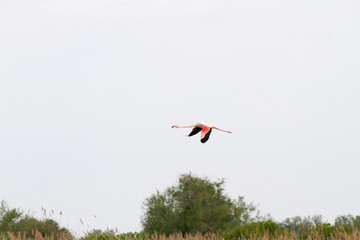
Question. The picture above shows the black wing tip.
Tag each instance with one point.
(206, 137)
(194, 131)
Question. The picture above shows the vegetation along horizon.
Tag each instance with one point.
(194, 208)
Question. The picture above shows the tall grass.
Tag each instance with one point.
(313, 235)
(284, 235)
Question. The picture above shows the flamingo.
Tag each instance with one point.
(203, 127)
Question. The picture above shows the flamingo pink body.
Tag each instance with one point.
(203, 127)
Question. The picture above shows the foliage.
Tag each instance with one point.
(110, 235)
(328, 231)
(46, 227)
(245, 213)
(8, 217)
(211, 236)
(195, 205)
(299, 224)
(356, 222)
(348, 220)
(13, 221)
(254, 230)
(99, 236)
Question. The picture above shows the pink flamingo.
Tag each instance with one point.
(203, 127)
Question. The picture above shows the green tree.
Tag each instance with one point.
(301, 224)
(8, 217)
(195, 205)
(348, 220)
(13, 221)
(356, 222)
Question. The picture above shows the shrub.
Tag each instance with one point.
(255, 230)
(110, 235)
(13, 222)
(328, 231)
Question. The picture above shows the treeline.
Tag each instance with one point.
(264, 230)
(296, 228)
(193, 208)
(199, 207)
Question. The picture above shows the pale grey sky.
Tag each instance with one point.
(89, 91)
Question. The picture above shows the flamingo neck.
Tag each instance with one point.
(177, 126)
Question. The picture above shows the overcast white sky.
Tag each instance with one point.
(89, 90)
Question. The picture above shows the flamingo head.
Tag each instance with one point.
(174, 126)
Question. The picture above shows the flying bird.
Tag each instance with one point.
(203, 127)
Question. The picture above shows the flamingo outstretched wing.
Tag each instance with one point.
(194, 131)
(205, 133)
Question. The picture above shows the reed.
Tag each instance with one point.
(36, 235)
(313, 235)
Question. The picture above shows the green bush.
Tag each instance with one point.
(110, 235)
(13, 221)
(8, 217)
(99, 236)
(47, 227)
(328, 231)
(255, 229)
